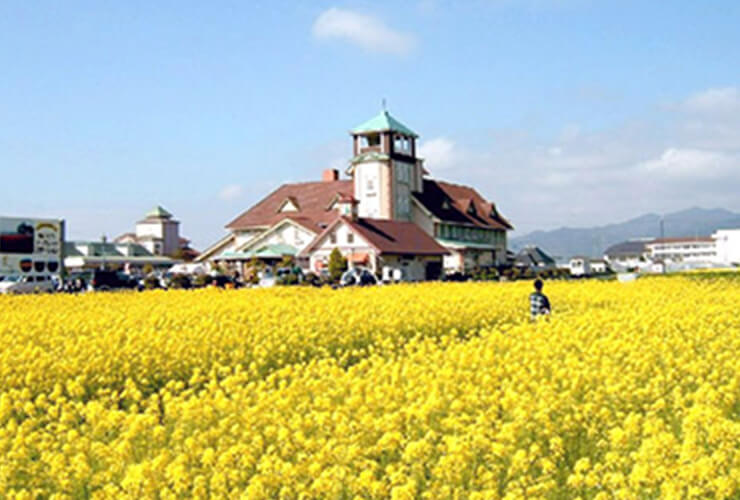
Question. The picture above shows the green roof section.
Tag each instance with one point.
(158, 213)
(275, 251)
(383, 123)
(371, 156)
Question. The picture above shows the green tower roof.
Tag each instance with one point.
(383, 122)
(158, 213)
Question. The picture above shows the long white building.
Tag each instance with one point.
(686, 250)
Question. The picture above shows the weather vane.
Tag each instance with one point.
(383, 104)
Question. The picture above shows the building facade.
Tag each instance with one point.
(159, 233)
(386, 214)
(727, 246)
(687, 250)
(129, 257)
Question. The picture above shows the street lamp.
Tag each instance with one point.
(103, 240)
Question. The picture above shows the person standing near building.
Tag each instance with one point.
(539, 304)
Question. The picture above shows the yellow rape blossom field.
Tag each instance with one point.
(431, 391)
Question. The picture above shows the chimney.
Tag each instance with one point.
(330, 175)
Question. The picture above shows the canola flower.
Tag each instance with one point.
(425, 391)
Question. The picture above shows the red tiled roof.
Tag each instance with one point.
(396, 237)
(387, 237)
(312, 198)
(459, 198)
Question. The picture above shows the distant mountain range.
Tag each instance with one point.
(592, 241)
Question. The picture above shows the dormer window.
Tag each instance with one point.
(471, 208)
(289, 205)
(445, 205)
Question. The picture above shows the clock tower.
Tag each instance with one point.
(385, 168)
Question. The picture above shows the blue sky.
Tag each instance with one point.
(562, 112)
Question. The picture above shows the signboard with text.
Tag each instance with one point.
(31, 246)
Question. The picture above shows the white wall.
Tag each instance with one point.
(241, 237)
(324, 248)
(598, 267)
(453, 262)
(288, 234)
(149, 229)
(579, 267)
(367, 188)
(728, 246)
(414, 269)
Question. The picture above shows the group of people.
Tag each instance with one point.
(74, 285)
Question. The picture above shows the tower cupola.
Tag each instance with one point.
(385, 135)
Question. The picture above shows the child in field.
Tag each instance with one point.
(538, 301)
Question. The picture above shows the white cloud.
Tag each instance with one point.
(363, 30)
(439, 153)
(230, 192)
(714, 101)
(695, 163)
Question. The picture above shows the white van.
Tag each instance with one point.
(26, 284)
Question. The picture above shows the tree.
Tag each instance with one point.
(337, 265)
(288, 261)
(182, 254)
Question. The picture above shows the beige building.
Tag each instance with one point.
(159, 234)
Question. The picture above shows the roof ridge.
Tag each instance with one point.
(312, 182)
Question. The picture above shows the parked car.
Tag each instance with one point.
(26, 284)
(175, 280)
(267, 278)
(358, 276)
(289, 276)
(223, 281)
(111, 280)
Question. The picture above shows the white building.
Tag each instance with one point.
(727, 243)
(579, 266)
(598, 266)
(387, 213)
(699, 250)
(628, 255)
(159, 234)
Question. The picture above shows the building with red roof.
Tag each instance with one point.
(387, 214)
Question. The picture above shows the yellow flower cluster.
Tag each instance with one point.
(421, 391)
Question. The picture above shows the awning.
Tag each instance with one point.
(460, 244)
(358, 258)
